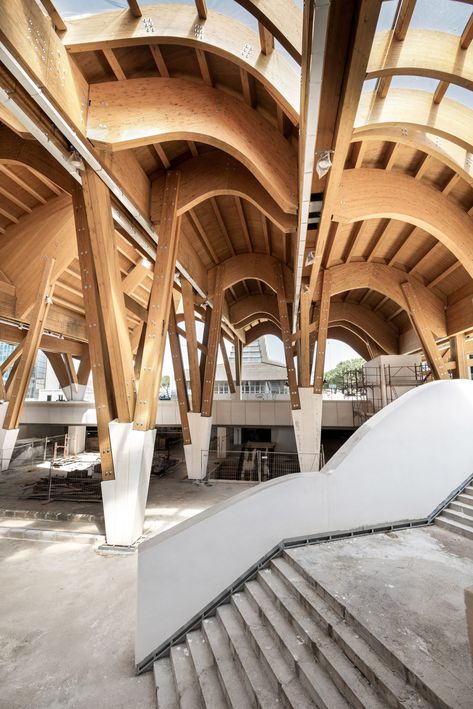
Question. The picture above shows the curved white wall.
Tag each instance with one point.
(398, 466)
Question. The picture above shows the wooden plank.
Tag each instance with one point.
(404, 16)
(11, 359)
(205, 342)
(286, 336)
(243, 224)
(305, 361)
(179, 375)
(112, 306)
(421, 325)
(467, 34)
(266, 40)
(159, 60)
(58, 22)
(212, 347)
(322, 333)
(460, 356)
(114, 64)
(226, 364)
(204, 67)
(134, 8)
(248, 88)
(30, 346)
(98, 352)
(191, 339)
(71, 370)
(440, 91)
(83, 373)
(201, 7)
(159, 309)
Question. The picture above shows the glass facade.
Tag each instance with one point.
(38, 375)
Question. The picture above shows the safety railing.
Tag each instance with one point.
(251, 465)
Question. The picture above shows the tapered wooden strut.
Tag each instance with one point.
(238, 351)
(159, 309)
(212, 347)
(322, 334)
(98, 354)
(179, 374)
(205, 342)
(226, 364)
(30, 346)
(304, 351)
(191, 338)
(111, 302)
(460, 356)
(286, 338)
(421, 325)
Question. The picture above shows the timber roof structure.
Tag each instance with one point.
(241, 101)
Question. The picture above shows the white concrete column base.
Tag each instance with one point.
(197, 452)
(74, 392)
(76, 439)
(308, 429)
(124, 499)
(8, 438)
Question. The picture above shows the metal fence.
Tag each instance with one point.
(252, 465)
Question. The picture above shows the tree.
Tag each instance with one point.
(165, 384)
(336, 375)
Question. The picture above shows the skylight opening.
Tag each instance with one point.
(460, 94)
(421, 83)
(442, 15)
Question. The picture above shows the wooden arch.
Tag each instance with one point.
(422, 53)
(244, 308)
(387, 281)
(258, 267)
(215, 174)
(189, 111)
(175, 24)
(412, 108)
(355, 341)
(260, 330)
(384, 334)
(369, 193)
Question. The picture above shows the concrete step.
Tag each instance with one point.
(457, 516)
(166, 693)
(468, 490)
(461, 506)
(290, 664)
(351, 684)
(466, 499)
(205, 670)
(187, 685)
(385, 673)
(454, 526)
(231, 682)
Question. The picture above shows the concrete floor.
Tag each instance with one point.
(68, 614)
(407, 589)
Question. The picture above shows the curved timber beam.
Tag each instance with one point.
(241, 309)
(258, 267)
(126, 114)
(214, 174)
(446, 152)
(356, 342)
(411, 108)
(387, 281)
(384, 334)
(261, 330)
(422, 53)
(176, 24)
(254, 317)
(283, 19)
(369, 193)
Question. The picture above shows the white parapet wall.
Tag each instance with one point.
(399, 466)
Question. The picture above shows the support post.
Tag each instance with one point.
(226, 364)
(322, 334)
(304, 345)
(179, 375)
(286, 335)
(212, 347)
(191, 338)
(459, 355)
(421, 325)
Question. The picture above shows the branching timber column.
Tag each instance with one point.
(179, 375)
(158, 310)
(192, 349)
(100, 367)
(306, 302)
(10, 412)
(212, 347)
(421, 325)
(460, 356)
(286, 337)
(238, 361)
(105, 260)
(205, 342)
(226, 364)
(322, 334)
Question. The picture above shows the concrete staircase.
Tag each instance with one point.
(457, 517)
(284, 641)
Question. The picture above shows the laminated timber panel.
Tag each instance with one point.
(240, 310)
(387, 281)
(124, 114)
(368, 193)
(439, 57)
(7, 300)
(215, 174)
(30, 36)
(262, 329)
(411, 108)
(258, 267)
(47, 231)
(283, 19)
(176, 25)
(12, 335)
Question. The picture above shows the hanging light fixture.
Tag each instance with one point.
(324, 163)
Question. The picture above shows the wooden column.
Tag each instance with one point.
(30, 346)
(101, 237)
(286, 334)
(421, 325)
(83, 373)
(98, 352)
(179, 374)
(304, 344)
(56, 361)
(322, 334)
(159, 308)
(226, 364)
(460, 356)
(212, 347)
(205, 342)
(238, 360)
(3, 393)
(192, 348)
(12, 358)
